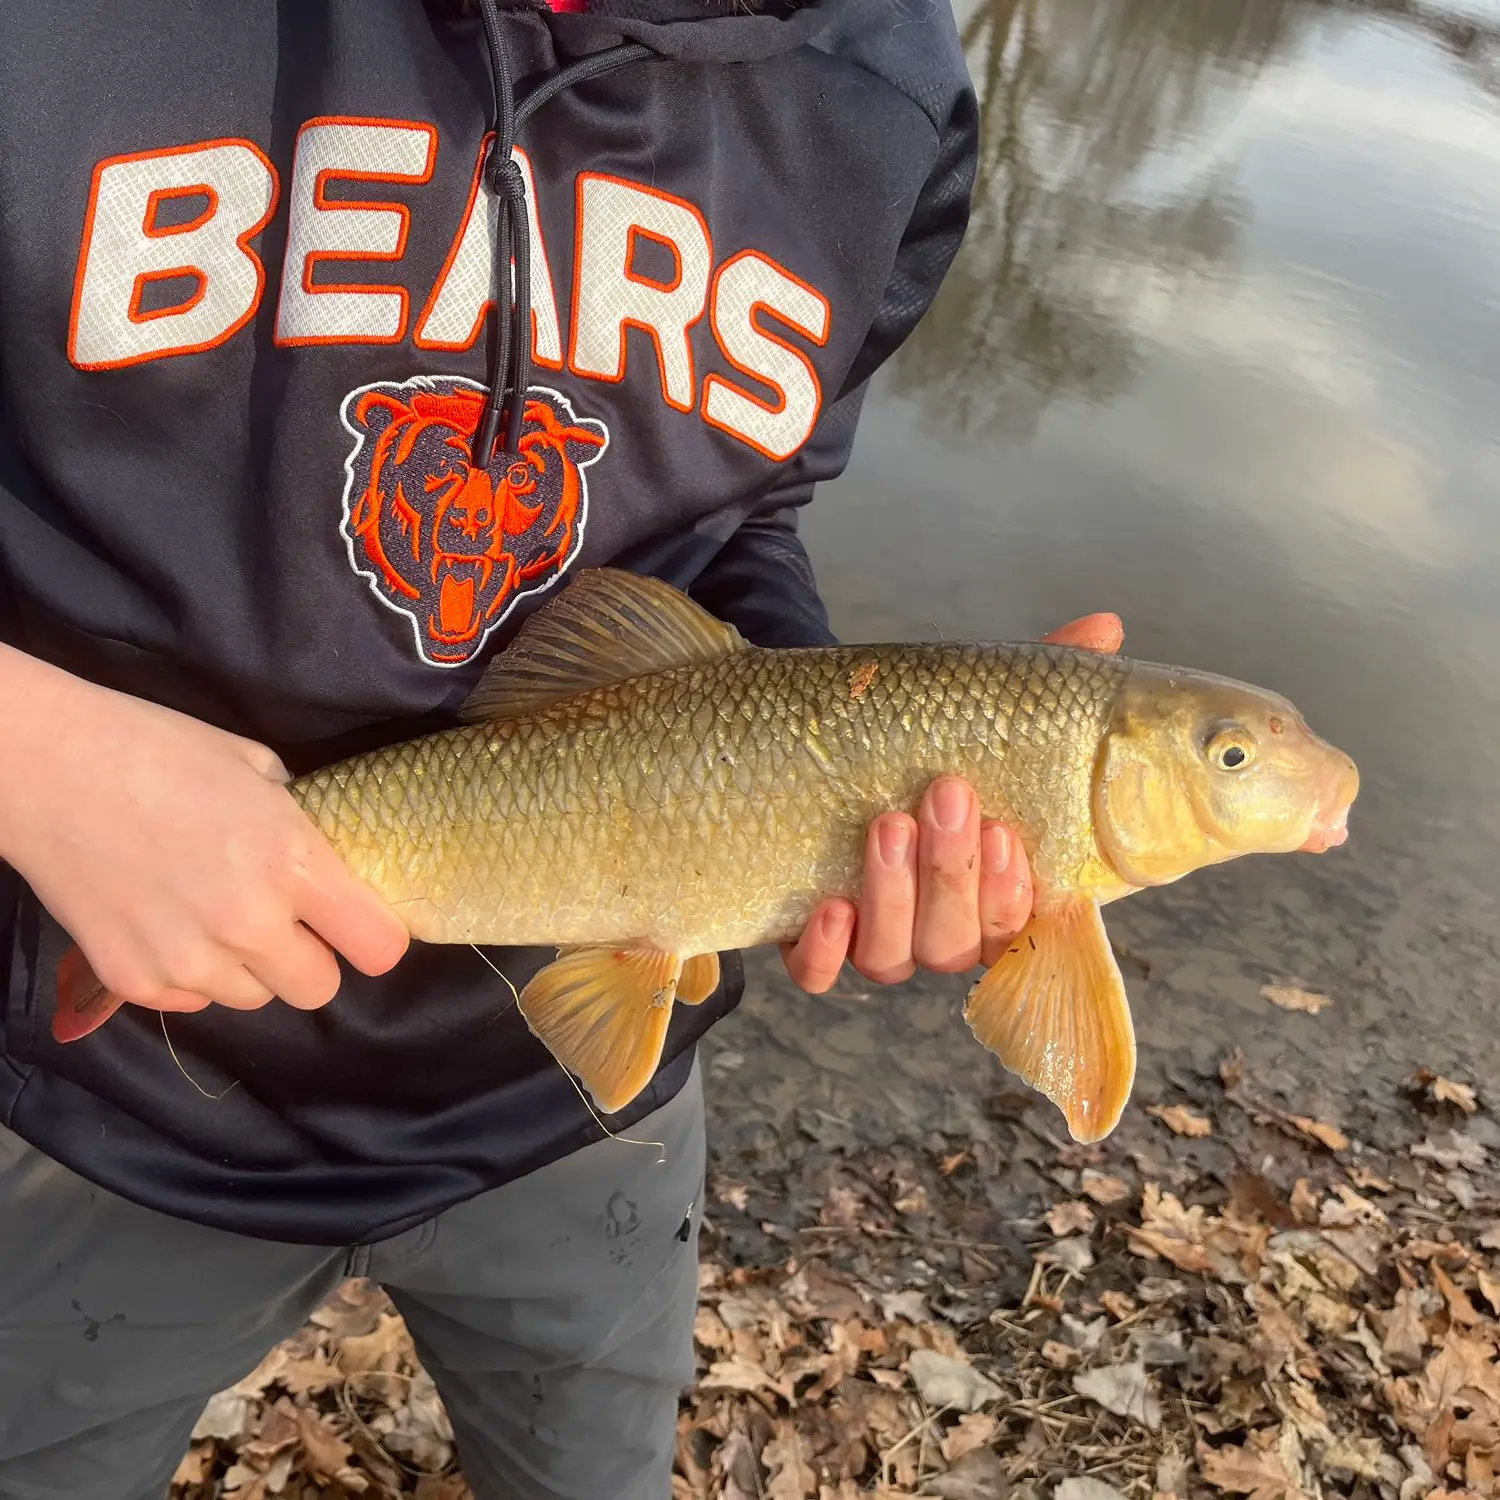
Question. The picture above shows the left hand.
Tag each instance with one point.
(943, 891)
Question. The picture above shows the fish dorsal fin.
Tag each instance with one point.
(607, 626)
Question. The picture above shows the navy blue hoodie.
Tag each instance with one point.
(252, 339)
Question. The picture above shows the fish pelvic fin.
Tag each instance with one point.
(603, 1014)
(83, 1003)
(607, 626)
(1054, 1010)
(700, 978)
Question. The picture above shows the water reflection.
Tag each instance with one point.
(1083, 106)
(1222, 352)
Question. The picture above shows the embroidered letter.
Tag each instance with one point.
(335, 149)
(612, 292)
(166, 265)
(750, 286)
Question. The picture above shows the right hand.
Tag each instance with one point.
(172, 853)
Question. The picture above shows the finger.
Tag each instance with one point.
(1004, 890)
(815, 959)
(887, 901)
(1103, 632)
(946, 935)
(348, 915)
(181, 1001)
(302, 970)
(231, 985)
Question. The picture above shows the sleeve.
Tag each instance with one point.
(761, 579)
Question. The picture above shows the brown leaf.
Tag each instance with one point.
(1321, 1131)
(786, 1457)
(951, 1164)
(974, 1430)
(1445, 1091)
(1117, 1304)
(1372, 1182)
(1103, 1189)
(1184, 1255)
(1489, 1288)
(382, 1349)
(1181, 1120)
(1247, 1470)
(1070, 1218)
(1291, 997)
(740, 1375)
(197, 1464)
(1405, 1332)
(326, 1451)
(1059, 1355)
(1460, 1309)
(1304, 1201)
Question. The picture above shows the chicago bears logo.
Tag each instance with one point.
(449, 543)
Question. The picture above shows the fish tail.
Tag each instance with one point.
(83, 1003)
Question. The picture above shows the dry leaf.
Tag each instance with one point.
(1445, 1091)
(1103, 1189)
(1405, 1332)
(1124, 1390)
(1085, 1487)
(1117, 1304)
(786, 1457)
(974, 1430)
(1291, 997)
(1060, 1355)
(1247, 1470)
(1181, 1120)
(1071, 1218)
(326, 1451)
(947, 1381)
(197, 1463)
(1321, 1131)
(740, 1375)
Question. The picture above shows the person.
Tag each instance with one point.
(286, 454)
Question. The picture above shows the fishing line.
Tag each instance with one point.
(515, 995)
(162, 1016)
(624, 1140)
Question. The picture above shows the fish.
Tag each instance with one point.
(634, 784)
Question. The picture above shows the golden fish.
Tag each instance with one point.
(636, 785)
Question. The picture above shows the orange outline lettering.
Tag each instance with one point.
(314, 258)
(243, 242)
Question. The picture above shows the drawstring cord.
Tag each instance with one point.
(510, 349)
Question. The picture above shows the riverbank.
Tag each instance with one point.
(1243, 1291)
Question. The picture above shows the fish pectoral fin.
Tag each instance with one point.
(83, 1004)
(607, 626)
(700, 978)
(1054, 1010)
(603, 1014)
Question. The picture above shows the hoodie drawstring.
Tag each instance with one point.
(510, 351)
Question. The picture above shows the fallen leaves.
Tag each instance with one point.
(1181, 1120)
(1250, 1317)
(1293, 997)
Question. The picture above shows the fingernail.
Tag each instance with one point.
(892, 840)
(835, 922)
(995, 849)
(950, 805)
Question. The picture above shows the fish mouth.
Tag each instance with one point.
(1331, 826)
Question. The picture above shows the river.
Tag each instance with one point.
(1221, 353)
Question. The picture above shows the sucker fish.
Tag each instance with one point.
(636, 785)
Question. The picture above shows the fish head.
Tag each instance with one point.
(1196, 769)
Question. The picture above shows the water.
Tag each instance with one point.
(1221, 353)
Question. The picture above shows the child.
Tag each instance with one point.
(283, 461)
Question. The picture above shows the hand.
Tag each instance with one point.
(943, 891)
(173, 854)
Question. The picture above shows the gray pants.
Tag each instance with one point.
(554, 1314)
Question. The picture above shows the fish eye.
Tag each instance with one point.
(1230, 748)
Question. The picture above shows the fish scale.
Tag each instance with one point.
(711, 806)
